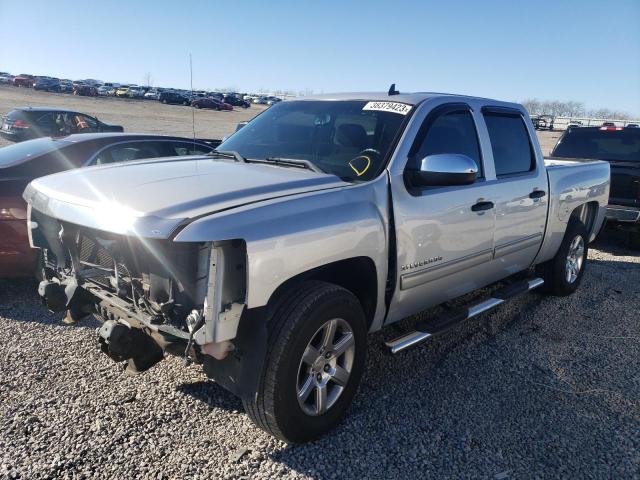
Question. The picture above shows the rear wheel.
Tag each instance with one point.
(315, 359)
(634, 240)
(563, 273)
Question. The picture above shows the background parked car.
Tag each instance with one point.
(152, 94)
(124, 92)
(23, 80)
(47, 84)
(85, 90)
(235, 101)
(137, 92)
(66, 86)
(6, 79)
(33, 122)
(174, 98)
(23, 162)
(211, 103)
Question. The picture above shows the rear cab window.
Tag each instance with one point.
(595, 143)
(510, 142)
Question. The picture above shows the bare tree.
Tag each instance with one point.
(148, 80)
(572, 108)
(575, 109)
(533, 106)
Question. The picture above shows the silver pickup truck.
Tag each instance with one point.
(323, 219)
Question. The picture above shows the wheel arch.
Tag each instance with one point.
(587, 214)
(356, 274)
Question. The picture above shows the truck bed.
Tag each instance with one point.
(572, 182)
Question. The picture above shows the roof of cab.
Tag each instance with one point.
(409, 98)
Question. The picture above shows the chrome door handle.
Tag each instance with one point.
(481, 206)
(537, 194)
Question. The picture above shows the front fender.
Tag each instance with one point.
(289, 236)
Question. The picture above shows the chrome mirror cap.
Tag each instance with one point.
(444, 169)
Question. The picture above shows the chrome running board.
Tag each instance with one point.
(426, 330)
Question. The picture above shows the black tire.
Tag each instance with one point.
(185, 104)
(554, 272)
(297, 319)
(634, 240)
(164, 101)
(197, 106)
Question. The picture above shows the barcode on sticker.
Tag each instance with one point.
(395, 107)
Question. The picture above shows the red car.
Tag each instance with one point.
(23, 81)
(211, 103)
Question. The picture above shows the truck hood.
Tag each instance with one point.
(152, 198)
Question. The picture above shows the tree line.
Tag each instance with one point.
(558, 108)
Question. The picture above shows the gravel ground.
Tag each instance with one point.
(540, 388)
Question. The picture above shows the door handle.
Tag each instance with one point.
(481, 206)
(537, 194)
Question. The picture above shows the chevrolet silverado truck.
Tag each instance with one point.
(620, 146)
(269, 260)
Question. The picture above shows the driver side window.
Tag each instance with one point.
(452, 131)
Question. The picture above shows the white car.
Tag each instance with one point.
(137, 93)
(152, 95)
(105, 91)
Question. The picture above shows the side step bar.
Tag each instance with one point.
(425, 330)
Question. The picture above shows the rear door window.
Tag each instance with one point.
(510, 143)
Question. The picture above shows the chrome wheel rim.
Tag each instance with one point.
(575, 258)
(325, 367)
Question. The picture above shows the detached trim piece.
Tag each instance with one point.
(442, 325)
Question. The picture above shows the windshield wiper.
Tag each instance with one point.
(295, 162)
(228, 154)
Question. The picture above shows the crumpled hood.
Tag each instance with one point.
(151, 198)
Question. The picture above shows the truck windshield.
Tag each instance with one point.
(350, 139)
(600, 144)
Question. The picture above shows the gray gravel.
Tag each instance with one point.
(542, 388)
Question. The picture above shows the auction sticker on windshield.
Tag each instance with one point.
(401, 108)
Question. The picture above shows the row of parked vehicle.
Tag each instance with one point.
(95, 88)
(547, 122)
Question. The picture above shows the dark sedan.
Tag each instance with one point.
(33, 122)
(235, 101)
(211, 103)
(47, 84)
(23, 162)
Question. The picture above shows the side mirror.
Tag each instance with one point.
(443, 169)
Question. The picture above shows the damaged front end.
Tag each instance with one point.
(152, 295)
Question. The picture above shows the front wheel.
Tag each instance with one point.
(314, 363)
(563, 273)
